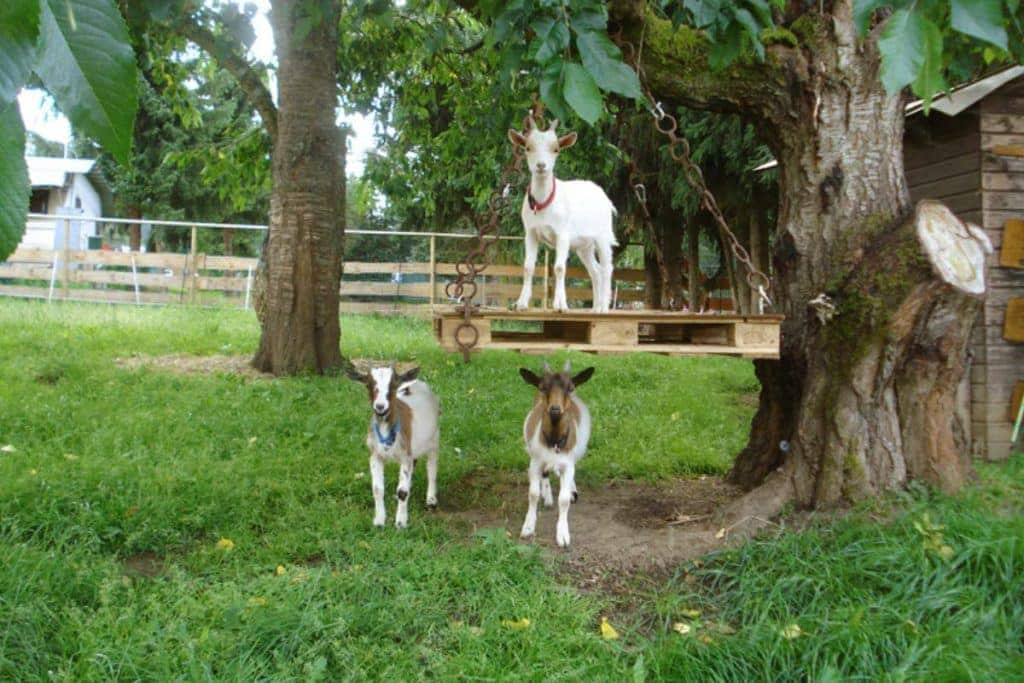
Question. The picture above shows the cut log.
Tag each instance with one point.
(955, 249)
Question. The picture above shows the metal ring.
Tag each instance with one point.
(458, 335)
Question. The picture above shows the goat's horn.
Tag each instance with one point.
(547, 368)
(528, 124)
(565, 368)
(554, 124)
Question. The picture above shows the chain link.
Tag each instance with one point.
(679, 149)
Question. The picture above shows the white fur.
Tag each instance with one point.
(425, 435)
(579, 218)
(543, 458)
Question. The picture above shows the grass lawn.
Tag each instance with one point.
(165, 527)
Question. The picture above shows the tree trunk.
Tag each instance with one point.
(672, 248)
(652, 280)
(303, 254)
(862, 401)
(693, 266)
(229, 241)
(134, 229)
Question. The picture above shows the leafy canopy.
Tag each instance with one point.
(80, 51)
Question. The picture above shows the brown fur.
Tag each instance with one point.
(554, 389)
(398, 408)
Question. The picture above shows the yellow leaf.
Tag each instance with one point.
(225, 544)
(705, 638)
(257, 601)
(792, 631)
(364, 545)
(280, 571)
(360, 475)
(674, 417)
(691, 613)
(33, 471)
(252, 440)
(357, 568)
(608, 631)
(70, 457)
(946, 552)
(681, 628)
(519, 625)
(721, 533)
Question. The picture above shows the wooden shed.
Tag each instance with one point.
(969, 153)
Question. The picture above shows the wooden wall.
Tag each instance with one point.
(947, 158)
(1002, 182)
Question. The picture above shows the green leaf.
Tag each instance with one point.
(930, 81)
(19, 29)
(863, 10)
(581, 92)
(604, 62)
(14, 187)
(902, 48)
(591, 20)
(705, 12)
(552, 42)
(981, 19)
(86, 62)
(551, 89)
(726, 49)
(747, 20)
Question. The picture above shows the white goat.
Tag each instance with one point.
(404, 427)
(556, 432)
(564, 214)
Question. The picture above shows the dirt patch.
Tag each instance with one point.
(146, 564)
(186, 364)
(622, 526)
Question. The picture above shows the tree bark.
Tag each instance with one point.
(134, 229)
(303, 253)
(861, 402)
(693, 267)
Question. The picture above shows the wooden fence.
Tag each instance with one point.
(195, 278)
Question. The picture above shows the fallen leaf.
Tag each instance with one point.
(364, 545)
(608, 631)
(674, 417)
(8, 449)
(681, 628)
(33, 472)
(225, 544)
(691, 613)
(721, 533)
(280, 571)
(360, 475)
(476, 630)
(252, 440)
(946, 552)
(792, 631)
(257, 601)
(70, 457)
(519, 625)
(705, 638)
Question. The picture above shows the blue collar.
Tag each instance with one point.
(388, 440)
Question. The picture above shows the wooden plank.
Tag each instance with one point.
(966, 163)
(753, 334)
(1013, 326)
(26, 272)
(1002, 123)
(962, 203)
(962, 138)
(946, 187)
(1011, 252)
(1012, 149)
(1004, 164)
(1002, 103)
(619, 333)
(539, 347)
(31, 255)
(1003, 201)
(448, 333)
(1015, 400)
(230, 263)
(1002, 182)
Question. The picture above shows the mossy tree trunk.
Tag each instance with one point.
(302, 260)
(864, 401)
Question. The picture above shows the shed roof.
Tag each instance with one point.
(53, 171)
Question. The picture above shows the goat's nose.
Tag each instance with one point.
(555, 412)
(380, 407)
(541, 166)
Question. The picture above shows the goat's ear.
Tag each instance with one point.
(353, 374)
(409, 375)
(566, 141)
(516, 138)
(529, 377)
(582, 376)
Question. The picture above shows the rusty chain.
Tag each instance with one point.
(463, 288)
(679, 149)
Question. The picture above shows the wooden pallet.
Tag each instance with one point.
(664, 332)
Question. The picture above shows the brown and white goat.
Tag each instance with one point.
(404, 427)
(556, 432)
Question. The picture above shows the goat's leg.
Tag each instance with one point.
(586, 255)
(545, 489)
(567, 486)
(561, 256)
(404, 486)
(530, 523)
(607, 268)
(377, 479)
(529, 263)
(432, 479)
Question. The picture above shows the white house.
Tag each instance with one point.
(63, 187)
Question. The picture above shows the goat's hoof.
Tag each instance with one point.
(431, 503)
(402, 494)
(378, 525)
(563, 542)
(526, 534)
(401, 523)
(575, 496)
(549, 502)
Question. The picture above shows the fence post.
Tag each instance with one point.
(135, 281)
(433, 268)
(192, 282)
(53, 276)
(66, 278)
(544, 301)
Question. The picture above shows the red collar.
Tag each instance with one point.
(540, 206)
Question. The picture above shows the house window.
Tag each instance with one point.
(78, 202)
(39, 202)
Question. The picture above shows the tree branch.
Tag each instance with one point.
(231, 60)
(675, 63)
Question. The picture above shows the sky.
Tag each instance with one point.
(38, 113)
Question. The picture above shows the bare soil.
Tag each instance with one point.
(624, 526)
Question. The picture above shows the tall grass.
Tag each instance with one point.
(122, 482)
